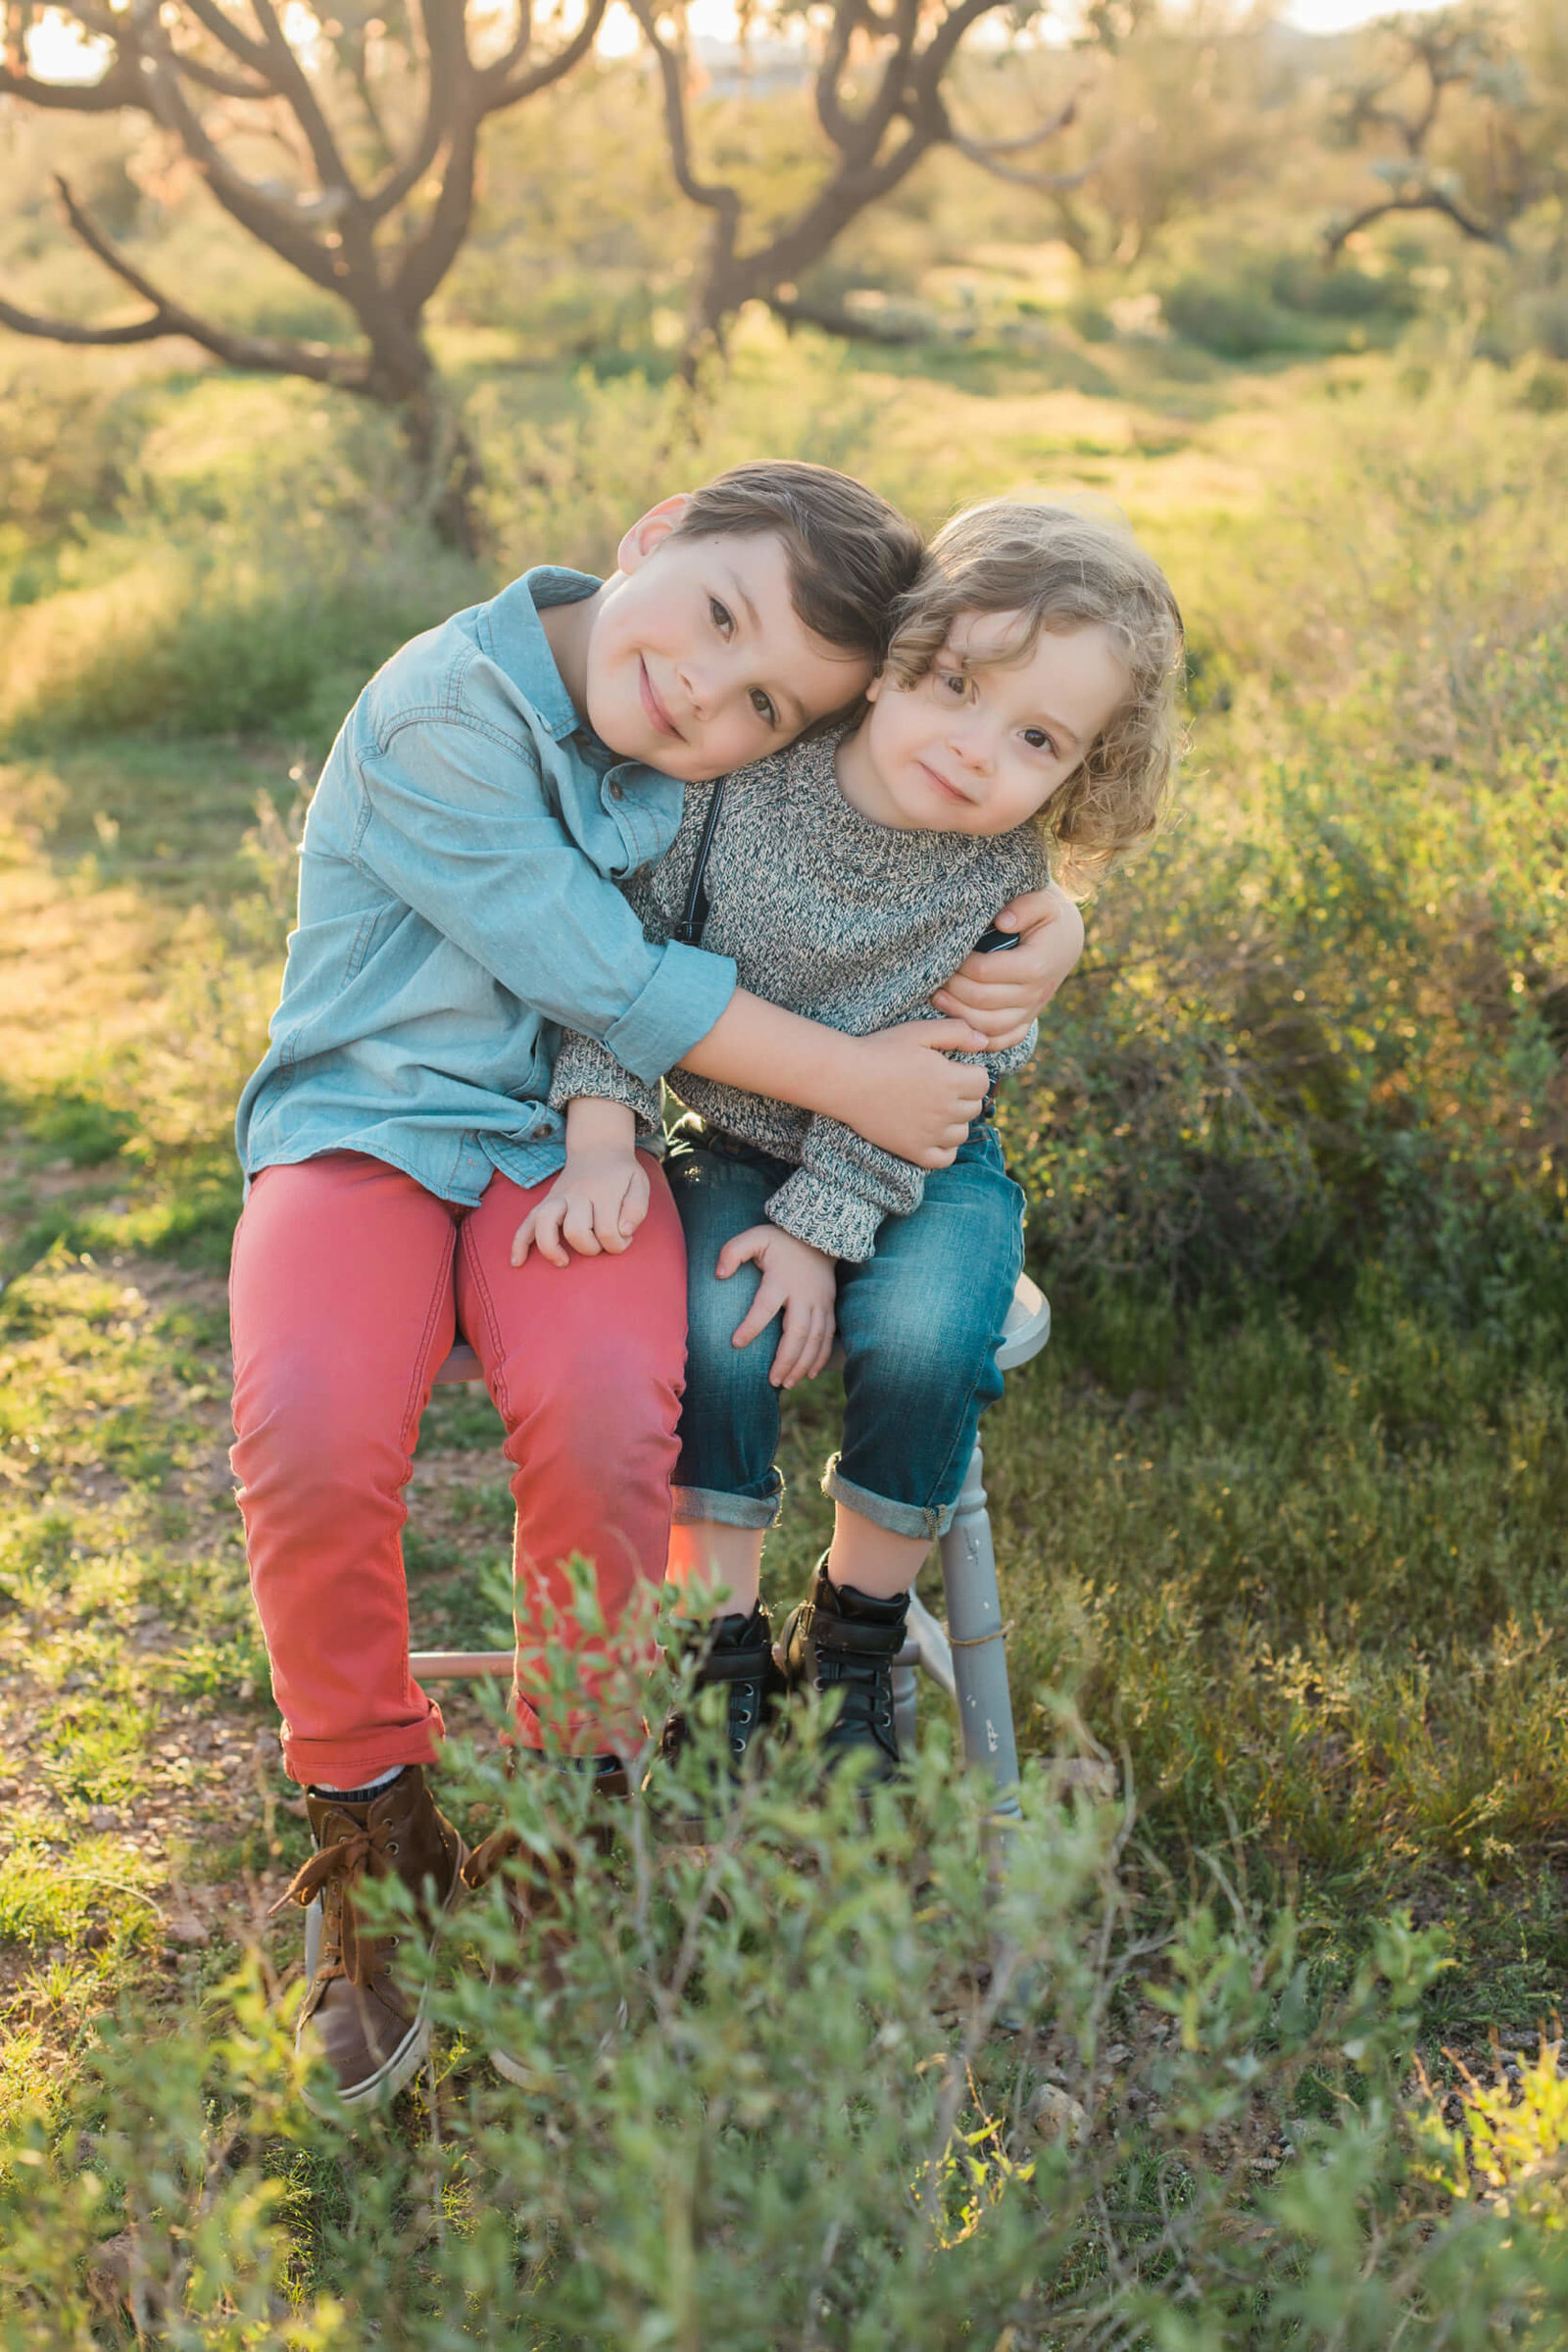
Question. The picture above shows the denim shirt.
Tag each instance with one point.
(457, 910)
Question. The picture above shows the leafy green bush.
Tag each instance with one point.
(1253, 306)
(834, 2077)
(1323, 1021)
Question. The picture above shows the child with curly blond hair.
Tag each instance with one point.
(1025, 708)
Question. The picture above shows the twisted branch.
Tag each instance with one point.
(167, 317)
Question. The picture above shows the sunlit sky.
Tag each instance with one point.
(58, 52)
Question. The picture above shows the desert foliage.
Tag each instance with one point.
(1261, 2052)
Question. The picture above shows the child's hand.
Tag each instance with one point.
(595, 1205)
(1003, 993)
(801, 1280)
(909, 1097)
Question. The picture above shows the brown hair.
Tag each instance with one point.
(1059, 568)
(851, 555)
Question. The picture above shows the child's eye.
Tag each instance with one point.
(764, 707)
(954, 681)
(1039, 741)
(721, 614)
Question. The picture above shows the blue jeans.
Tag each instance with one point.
(919, 1325)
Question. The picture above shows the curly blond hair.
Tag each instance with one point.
(1061, 569)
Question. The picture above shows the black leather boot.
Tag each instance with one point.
(846, 1640)
(739, 1656)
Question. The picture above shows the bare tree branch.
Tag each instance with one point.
(1450, 54)
(1046, 183)
(220, 84)
(271, 354)
(983, 149)
(230, 35)
(1424, 200)
(716, 195)
(65, 330)
(851, 325)
(877, 142)
(271, 215)
(431, 255)
(293, 86)
(359, 76)
(553, 69)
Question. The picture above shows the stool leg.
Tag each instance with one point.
(974, 1628)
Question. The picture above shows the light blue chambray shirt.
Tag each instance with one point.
(457, 910)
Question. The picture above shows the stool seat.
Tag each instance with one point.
(1027, 1327)
(966, 1659)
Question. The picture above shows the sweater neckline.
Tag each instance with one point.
(815, 764)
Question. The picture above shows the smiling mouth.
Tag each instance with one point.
(655, 708)
(948, 792)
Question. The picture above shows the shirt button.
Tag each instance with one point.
(539, 1134)
(617, 791)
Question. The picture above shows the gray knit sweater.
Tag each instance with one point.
(830, 915)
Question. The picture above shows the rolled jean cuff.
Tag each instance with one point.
(694, 1503)
(895, 1518)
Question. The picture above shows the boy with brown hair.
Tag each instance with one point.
(458, 910)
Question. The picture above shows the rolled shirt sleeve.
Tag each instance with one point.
(518, 894)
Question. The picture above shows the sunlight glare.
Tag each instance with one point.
(58, 49)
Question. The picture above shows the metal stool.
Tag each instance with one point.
(968, 1659)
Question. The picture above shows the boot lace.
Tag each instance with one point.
(330, 1874)
(865, 1711)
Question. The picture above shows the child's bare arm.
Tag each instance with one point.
(896, 1087)
(600, 1195)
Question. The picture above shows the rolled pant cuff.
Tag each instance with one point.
(350, 1763)
(895, 1518)
(694, 1503)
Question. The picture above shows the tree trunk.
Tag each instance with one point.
(448, 466)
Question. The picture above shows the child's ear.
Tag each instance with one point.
(650, 530)
(876, 685)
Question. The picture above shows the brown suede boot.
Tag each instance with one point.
(535, 1885)
(371, 2030)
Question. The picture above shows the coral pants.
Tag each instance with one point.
(349, 1284)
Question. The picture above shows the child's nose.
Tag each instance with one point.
(693, 685)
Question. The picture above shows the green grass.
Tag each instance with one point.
(1279, 1511)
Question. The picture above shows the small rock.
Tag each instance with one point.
(1098, 1782)
(102, 1817)
(57, 1954)
(187, 1929)
(1117, 2054)
(97, 1937)
(109, 2268)
(1054, 2113)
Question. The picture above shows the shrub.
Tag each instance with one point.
(770, 2102)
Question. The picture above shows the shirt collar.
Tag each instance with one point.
(518, 642)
